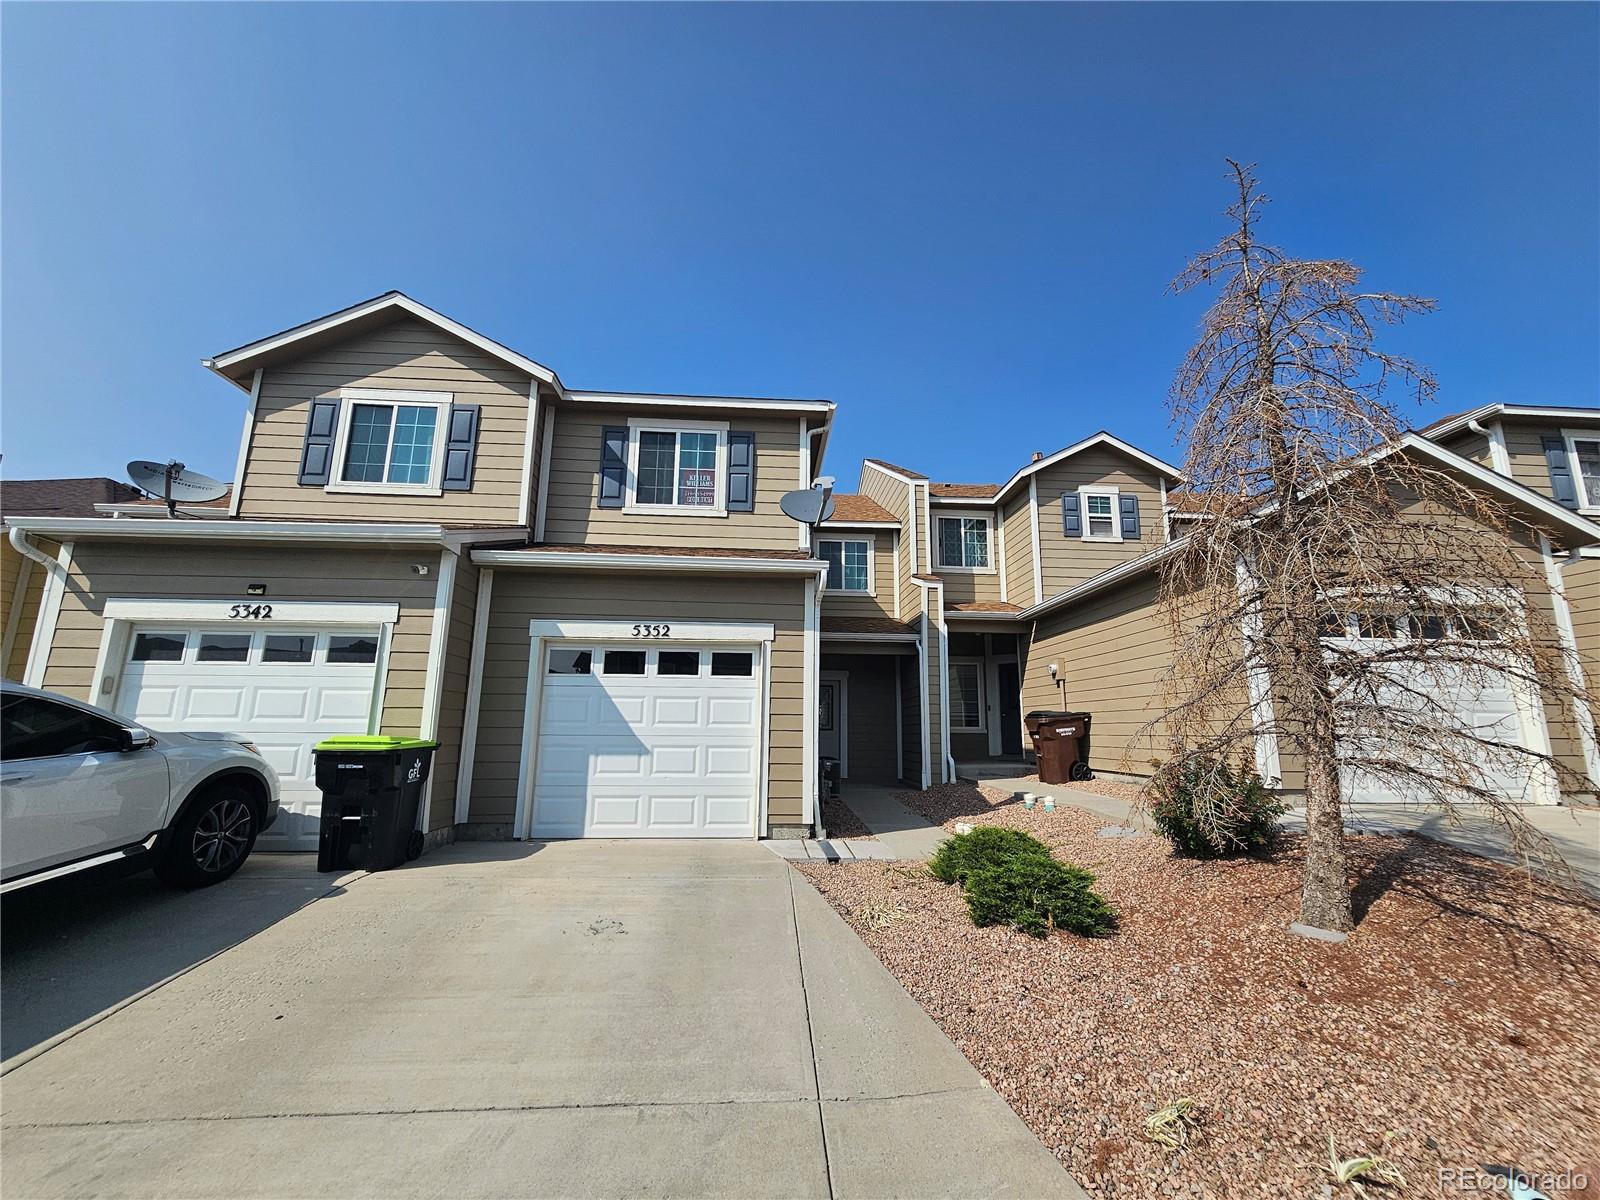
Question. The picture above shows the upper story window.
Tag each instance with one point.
(677, 465)
(963, 542)
(1583, 452)
(1100, 514)
(849, 564)
(389, 441)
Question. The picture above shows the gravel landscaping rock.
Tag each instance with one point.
(1460, 1016)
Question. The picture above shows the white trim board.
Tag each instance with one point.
(1102, 438)
(297, 612)
(652, 400)
(244, 443)
(613, 630)
(581, 560)
(44, 627)
(433, 678)
(396, 300)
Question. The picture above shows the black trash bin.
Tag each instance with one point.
(370, 787)
(830, 777)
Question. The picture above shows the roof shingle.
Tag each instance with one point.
(62, 497)
(852, 507)
(965, 491)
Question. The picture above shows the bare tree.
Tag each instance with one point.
(1341, 590)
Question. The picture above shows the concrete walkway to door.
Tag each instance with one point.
(572, 1019)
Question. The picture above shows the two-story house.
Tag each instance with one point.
(593, 600)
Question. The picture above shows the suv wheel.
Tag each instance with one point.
(211, 840)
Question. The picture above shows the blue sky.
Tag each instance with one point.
(957, 222)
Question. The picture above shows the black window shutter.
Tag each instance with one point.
(1071, 515)
(1561, 481)
(316, 458)
(741, 472)
(1130, 516)
(613, 467)
(460, 448)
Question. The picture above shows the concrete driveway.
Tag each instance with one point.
(564, 1019)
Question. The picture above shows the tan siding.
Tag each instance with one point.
(1525, 448)
(1114, 653)
(572, 514)
(1469, 445)
(881, 603)
(895, 495)
(1019, 551)
(11, 564)
(101, 570)
(453, 695)
(1066, 561)
(1582, 585)
(871, 704)
(520, 596)
(407, 355)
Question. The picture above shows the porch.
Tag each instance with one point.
(984, 685)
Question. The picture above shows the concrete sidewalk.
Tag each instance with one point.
(571, 1018)
(907, 834)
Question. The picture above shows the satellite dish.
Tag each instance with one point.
(808, 505)
(174, 483)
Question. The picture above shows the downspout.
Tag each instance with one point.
(944, 694)
(19, 540)
(1499, 459)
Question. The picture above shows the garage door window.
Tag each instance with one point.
(288, 648)
(678, 662)
(568, 661)
(159, 647)
(624, 662)
(346, 649)
(732, 662)
(224, 648)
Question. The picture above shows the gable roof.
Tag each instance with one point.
(1103, 438)
(1587, 531)
(237, 366)
(1455, 422)
(75, 497)
(903, 472)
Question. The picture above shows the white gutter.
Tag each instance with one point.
(653, 400)
(164, 528)
(534, 560)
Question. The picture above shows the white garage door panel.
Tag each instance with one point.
(649, 755)
(284, 709)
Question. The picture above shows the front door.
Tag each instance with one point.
(1008, 684)
(830, 719)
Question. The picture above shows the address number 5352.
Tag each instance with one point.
(652, 631)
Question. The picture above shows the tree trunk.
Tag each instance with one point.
(1325, 894)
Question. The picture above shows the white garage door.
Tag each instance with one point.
(648, 742)
(284, 689)
(1486, 708)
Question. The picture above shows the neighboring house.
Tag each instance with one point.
(21, 581)
(591, 600)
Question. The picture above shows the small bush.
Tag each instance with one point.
(1208, 809)
(1011, 878)
(986, 846)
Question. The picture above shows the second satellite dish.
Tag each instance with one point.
(808, 506)
(174, 483)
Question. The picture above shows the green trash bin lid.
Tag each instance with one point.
(372, 744)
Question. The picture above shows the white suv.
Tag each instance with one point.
(81, 788)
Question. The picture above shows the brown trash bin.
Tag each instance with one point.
(1061, 744)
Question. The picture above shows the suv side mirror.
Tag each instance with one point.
(129, 740)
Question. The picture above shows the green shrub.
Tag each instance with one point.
(986, 846)
(1037, 895)
(1011, 878)
(1208, 809)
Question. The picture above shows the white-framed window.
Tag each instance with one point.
(963, 541)
(1102, 520)
(389, 441)
(1583, 457)
(850, 564)
(677, 466)
(966, 695)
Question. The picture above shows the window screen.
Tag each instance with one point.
(966, 696)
